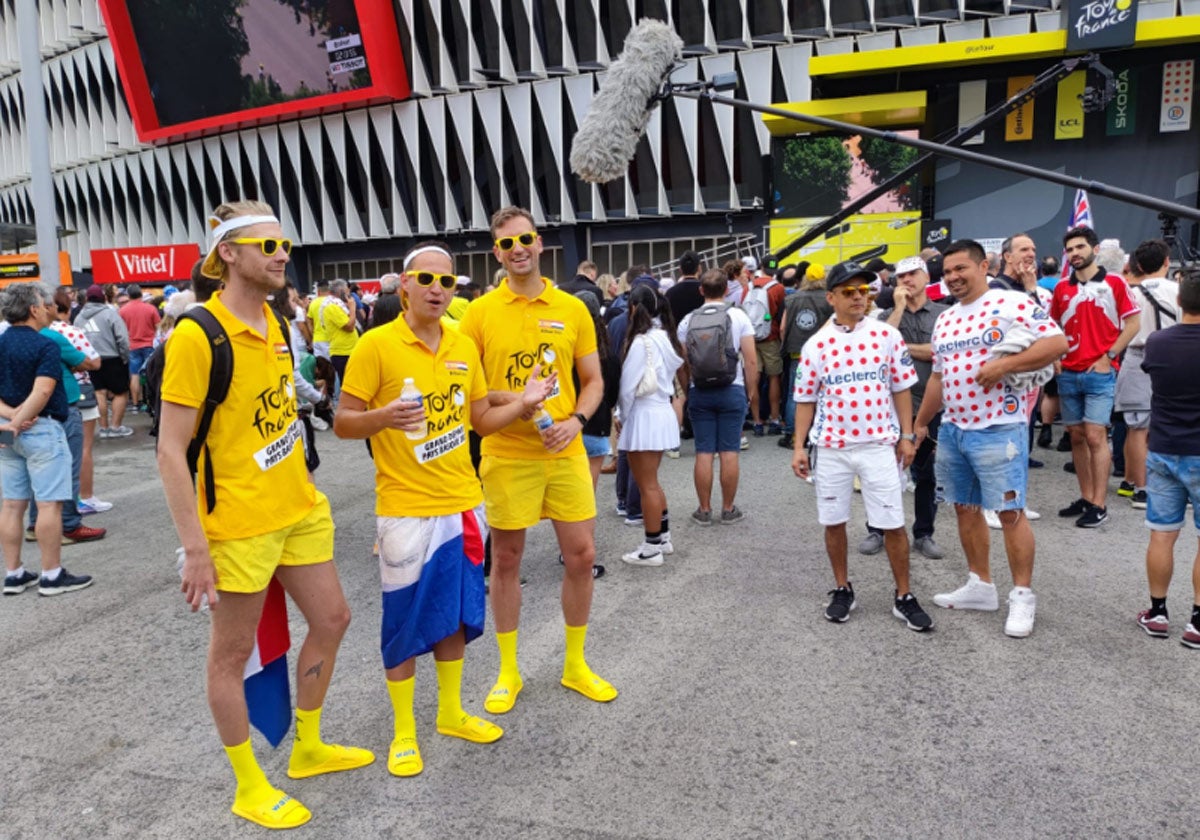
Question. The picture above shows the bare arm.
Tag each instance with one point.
(174, 434)
(354, 420)
(488, 417)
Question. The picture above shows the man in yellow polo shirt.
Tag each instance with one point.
(340, 319)
(320, 338)
(430, 520)
(529, 476)
(268, 519)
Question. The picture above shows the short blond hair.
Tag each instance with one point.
(507, 214)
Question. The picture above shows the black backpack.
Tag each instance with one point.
(712, 356)
(220, 377)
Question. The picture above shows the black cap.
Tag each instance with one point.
(878, 264)
(844, 272)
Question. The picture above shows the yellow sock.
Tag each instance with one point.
(256, 800)
(451, 719)
(508, 685)
(404, 757)
(313, 757)
(576, 673)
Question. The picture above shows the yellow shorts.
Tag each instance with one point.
(247, 565)
(519, 493)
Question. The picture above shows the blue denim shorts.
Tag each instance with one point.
(38, 464)
(597, 446)
(1086, 397)
(981, 466)
(717, 415)
(1171, 482)
(138, 358)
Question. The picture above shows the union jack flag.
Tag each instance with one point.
(1081, 215)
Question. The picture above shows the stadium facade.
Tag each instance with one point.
(496, 91)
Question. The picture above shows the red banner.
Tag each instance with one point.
(156, 264)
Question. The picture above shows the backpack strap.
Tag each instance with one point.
(1159, 309)
(220, 377)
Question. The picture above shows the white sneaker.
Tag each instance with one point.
(1022, 604)
(672, 453)
(1032, 515)
(646, 555)
(972, 595)
(993, 519)
(318, 424)
(665, 546)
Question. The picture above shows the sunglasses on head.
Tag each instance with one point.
(268, 246)
(525, 239)
(427, 278)
(851, 291)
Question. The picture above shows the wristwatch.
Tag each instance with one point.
(1112, 355)
(912, 438)
(583, 421)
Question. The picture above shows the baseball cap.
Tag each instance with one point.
(911, 264)
(844, 272)
(877, 265)
(95, 293)
(750, 263)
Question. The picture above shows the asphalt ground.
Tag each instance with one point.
(742, 713)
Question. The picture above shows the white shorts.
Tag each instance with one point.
(877, 471)
(87, 414)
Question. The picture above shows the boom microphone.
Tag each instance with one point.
(608, 136)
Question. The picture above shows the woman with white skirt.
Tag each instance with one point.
(648, 424)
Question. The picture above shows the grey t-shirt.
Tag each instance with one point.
(917, 328)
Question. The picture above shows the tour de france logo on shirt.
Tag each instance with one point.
(444, 429)
(521, 363)
(275, 421)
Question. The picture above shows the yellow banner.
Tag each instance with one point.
(862, 237)
(1068, 115)
(1018, 125)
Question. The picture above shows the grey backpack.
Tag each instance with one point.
(712, 356)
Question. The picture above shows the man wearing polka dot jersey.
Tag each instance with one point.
(983, 443)
(854, 377)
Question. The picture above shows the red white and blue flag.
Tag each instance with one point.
(431, 571)
(268, 690)
(1081, 216)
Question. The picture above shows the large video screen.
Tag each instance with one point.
(820, 174)
(192, 67)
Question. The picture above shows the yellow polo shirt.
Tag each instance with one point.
(318, 331)
(432, 476)
(341, 342)
(255, 439)
(513, 333)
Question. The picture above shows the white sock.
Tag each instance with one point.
(52, 575)
(17, 572)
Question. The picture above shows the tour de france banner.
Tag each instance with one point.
(1100, 24)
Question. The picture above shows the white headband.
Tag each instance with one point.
(221, 228)
(428, 249)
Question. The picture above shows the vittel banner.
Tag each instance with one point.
(1100, 24)
(155, 264)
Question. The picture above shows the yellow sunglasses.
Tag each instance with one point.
(268, 246)
(427, 278)
(508, 242)
(851, 291)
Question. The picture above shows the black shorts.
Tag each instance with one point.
(1050, 389)
(113, 376)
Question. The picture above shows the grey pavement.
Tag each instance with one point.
(742, 712)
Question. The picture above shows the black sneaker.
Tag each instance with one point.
(840, 604)
(1045, 438)
(65, 582)
(1126, 489)
(909, 611)
(1076, 508)
(1064, 443)
(15, 584)
(1093, 517)
(1138, 501)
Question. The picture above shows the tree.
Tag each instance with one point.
(884, 159)
(819, 171)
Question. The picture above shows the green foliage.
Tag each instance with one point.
(819, 171)
(883, 159)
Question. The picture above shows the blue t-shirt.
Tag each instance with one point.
(71, 357)
(1175, 390)
(24, 356)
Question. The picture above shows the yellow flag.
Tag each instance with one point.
(1068, 116)
(1018, 125)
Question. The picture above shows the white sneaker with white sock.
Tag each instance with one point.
(647, 554)
(972, 595)
(1022, 604)
(665, 545)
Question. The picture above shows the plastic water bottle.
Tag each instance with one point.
(411, 393)
(543, 421)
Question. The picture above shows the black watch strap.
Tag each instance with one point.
(583, 421)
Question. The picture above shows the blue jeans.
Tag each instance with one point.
(1086, 397)
(628, 494)
(789, 402)
(70, 511)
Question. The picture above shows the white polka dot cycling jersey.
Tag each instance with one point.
(851, 376)
(963, 338)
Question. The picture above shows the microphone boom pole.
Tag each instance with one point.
(1093, 187)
